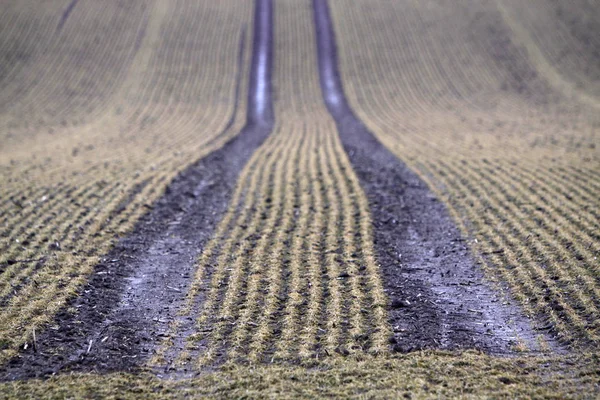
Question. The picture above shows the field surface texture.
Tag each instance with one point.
(300, 198)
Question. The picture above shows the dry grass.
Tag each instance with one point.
(87, 145)
(290, 272)
(471, 101)
(418, 375)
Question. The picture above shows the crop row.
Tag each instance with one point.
(290, 272)
(167, 94)
(452, 92)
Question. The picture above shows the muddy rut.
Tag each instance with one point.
(137, 289)
(438, 296)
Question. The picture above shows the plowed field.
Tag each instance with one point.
(299, 198)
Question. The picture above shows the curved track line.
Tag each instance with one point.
(65, 14)
(260, 103)
(438, 297)
(135, 293)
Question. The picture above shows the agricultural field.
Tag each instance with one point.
(508, 143)
(299, 199)
(79, 166)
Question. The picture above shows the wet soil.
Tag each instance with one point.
(438, 296)
(133, 294)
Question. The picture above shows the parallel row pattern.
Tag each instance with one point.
(562, 42)
(167, 93)
(513, 154)
(64, 78)
(290, 273)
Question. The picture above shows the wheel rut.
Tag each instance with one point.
(124, 310)
(438, 296)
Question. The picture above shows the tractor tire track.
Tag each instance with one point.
(438, 297)
(135, 292)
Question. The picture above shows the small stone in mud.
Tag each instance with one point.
(396, 303)
(403, 348)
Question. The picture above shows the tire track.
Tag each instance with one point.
(519, 131)
(65, 14)
(134, 293)
(286, 277)
(431, 280)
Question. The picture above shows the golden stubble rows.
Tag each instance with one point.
(86, 147)
(290, 273)
(508, 141)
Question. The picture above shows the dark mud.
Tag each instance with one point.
(121, 314)
(438, 296)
